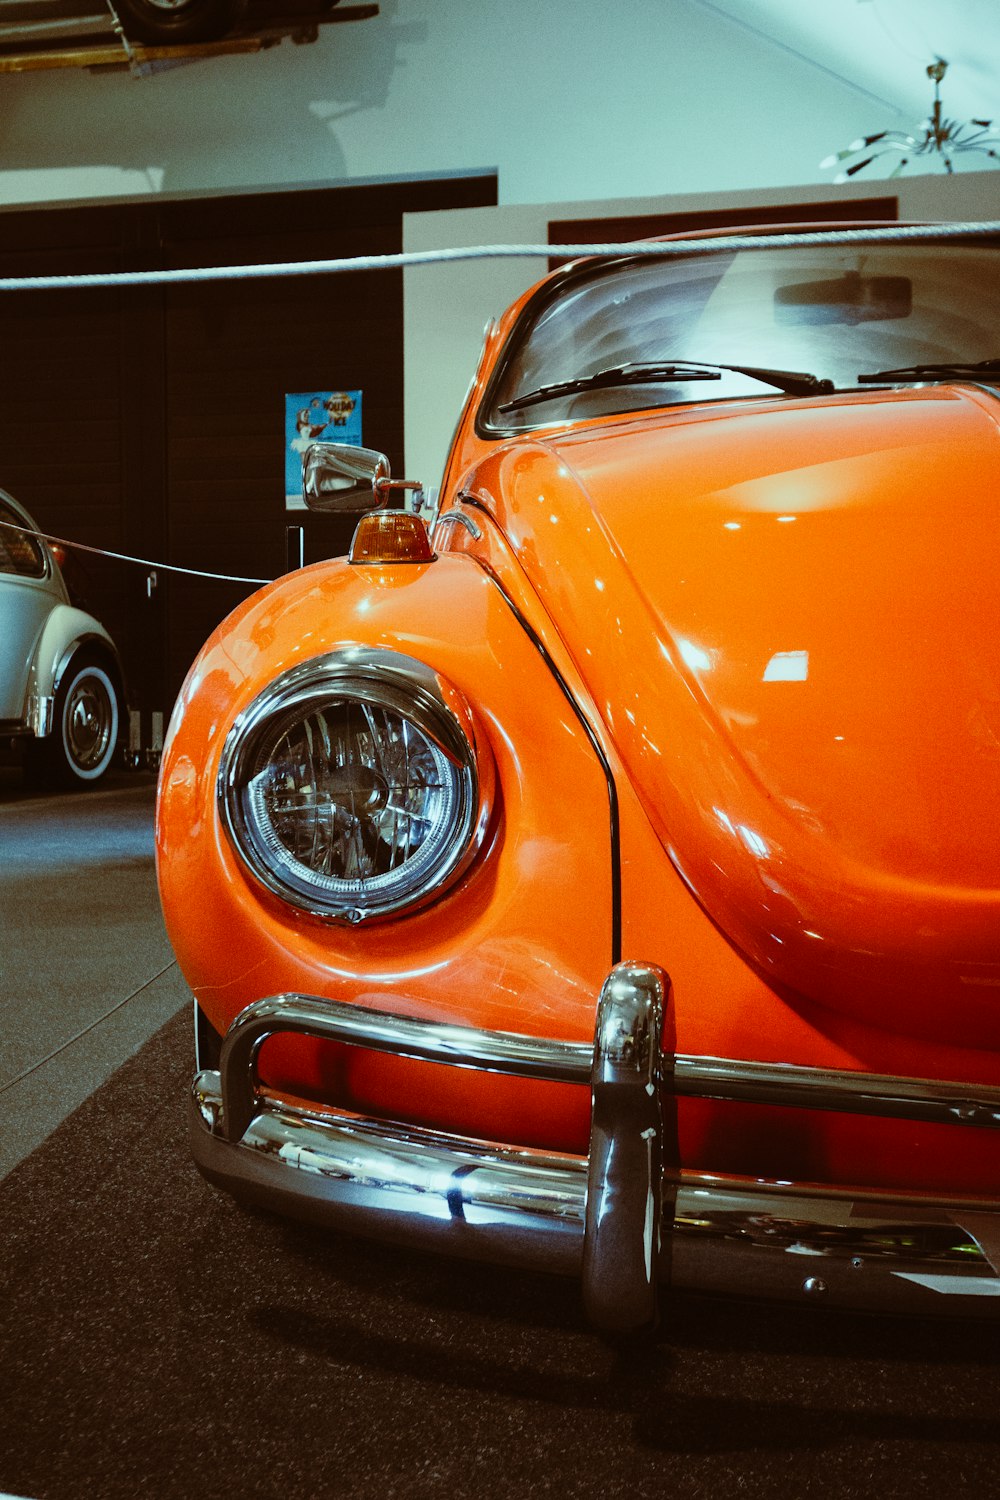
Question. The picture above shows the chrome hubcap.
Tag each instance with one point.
(88, 723)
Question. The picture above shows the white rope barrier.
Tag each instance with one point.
(905, 233)
(144, 562)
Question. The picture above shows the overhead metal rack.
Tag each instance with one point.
(119, 54)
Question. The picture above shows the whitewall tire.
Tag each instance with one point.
(87, 717)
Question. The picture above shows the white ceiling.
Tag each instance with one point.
(597, 101)
(881, 48)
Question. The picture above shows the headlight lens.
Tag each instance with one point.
(351, 786)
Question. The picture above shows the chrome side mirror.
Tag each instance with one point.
(343, 477)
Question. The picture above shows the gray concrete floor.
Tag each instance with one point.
(86, 972)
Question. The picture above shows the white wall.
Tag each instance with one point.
(568, 99)
(447, 305)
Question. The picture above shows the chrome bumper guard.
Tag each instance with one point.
(620, 1218)
(41, 710)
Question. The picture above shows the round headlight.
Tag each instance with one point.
(350, 786)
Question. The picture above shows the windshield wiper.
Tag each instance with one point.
(791, 382)
(986, 368)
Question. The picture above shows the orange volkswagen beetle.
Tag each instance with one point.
(598, 870)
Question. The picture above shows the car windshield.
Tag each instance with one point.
(835, 311)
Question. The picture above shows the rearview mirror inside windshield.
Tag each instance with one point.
(851, 298)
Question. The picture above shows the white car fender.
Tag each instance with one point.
(64, 632)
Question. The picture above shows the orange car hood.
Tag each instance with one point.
(787, 615)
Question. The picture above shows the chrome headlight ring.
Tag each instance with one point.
(355, 786)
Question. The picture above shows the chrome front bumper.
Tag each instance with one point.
(619, 1218)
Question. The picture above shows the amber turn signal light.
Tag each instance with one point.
(392, 536)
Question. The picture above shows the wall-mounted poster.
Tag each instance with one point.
(332, 416)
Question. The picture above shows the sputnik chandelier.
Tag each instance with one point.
(939, 138)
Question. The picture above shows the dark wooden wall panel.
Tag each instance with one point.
(151, 420)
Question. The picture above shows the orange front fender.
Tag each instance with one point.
(522, 943)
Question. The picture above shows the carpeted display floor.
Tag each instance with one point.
(157, 1341)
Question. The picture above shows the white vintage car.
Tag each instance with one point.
(61, 681)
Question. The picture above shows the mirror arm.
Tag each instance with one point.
(382, 485)
(381, 488)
